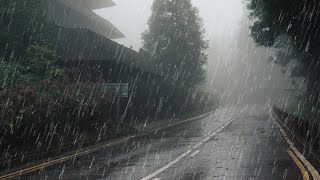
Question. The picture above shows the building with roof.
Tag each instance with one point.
(79, 14)
(85, 38)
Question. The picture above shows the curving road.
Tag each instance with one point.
(231, 143)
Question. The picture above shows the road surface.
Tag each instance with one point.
(231, 143)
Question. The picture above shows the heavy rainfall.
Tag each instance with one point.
(160, 89)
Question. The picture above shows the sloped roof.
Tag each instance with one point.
(76, 44)
(79, 14)
(98, 4)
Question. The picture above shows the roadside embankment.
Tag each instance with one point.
(303, 129)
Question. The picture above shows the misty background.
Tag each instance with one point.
(238, 70)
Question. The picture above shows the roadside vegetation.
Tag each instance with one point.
(180, 52)
(47, 108)
(292, 28)
(304, 111)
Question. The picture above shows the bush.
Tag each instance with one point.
(304, 110)
(40, 59)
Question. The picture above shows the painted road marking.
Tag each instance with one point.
(197, 145)
(184, 121)
(213, 134)
(303, 170)
(88, 151)
(63, 159)
(189, 151)
(311, 169)
(206, 139)
(157, 179)
(194, 153)
(167, 166)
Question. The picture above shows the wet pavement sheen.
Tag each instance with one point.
(250, 147)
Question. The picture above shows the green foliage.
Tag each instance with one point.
(273, 18)
(8, 74)
(295, 24)
(304, 110)
(13, 74)
(175, 40)
(294, 18)
(22, 23)
(48, 101)
(24, 37)
(40, 58)
(37, 66)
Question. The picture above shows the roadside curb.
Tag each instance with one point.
(307, 131)
(298, 156)
(36, 166)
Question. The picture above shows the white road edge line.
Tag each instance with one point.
(311, 169)
(88, 150)
(189, 151)
(211, 135)
(167, 166)
(197, 145)
(206, 139)
(194, 153)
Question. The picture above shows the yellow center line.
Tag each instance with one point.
(60, 160)
(94, 149)
(314, 173)
(303, 170)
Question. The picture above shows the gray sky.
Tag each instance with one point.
(221, 18)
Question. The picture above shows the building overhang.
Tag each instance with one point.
(99, 4)
(79, 14)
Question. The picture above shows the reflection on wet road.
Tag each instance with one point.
(231, 143)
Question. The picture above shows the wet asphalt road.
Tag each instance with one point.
(232, 143)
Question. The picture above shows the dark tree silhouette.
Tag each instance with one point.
(297, 21)
(175, 40)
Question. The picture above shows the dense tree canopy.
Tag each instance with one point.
(23, 23)
(298, 19)
(175, 40)
(293, 25)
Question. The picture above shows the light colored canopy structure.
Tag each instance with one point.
(79, 14)
(98, 4)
